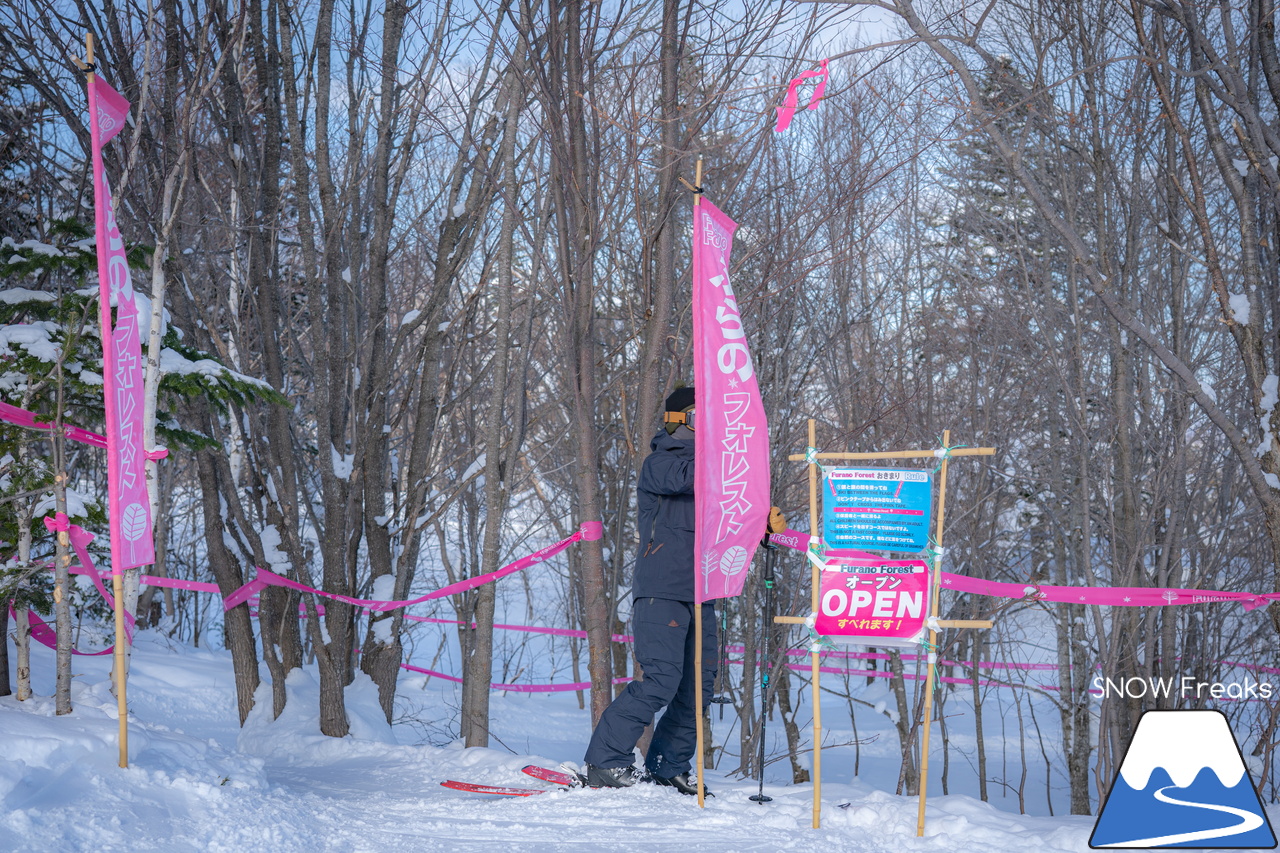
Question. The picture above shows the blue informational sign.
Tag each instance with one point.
(884, 509)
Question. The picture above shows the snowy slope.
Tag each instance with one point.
(199, 782)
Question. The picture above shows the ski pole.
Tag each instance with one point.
(771, 551)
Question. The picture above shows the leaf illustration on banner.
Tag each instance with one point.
(133, 524)
(734, 560)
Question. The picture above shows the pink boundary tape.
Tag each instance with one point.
(40, 631)
(1109, 596)
(22, 417)
(589, 530)
(46, 636)
(593, 530)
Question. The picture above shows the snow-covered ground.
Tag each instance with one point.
(197, 781)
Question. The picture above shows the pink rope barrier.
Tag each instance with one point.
(1108, 596)
(24, 418)
(515, 688)
(46, 636)
(80, 539)
(589, 530)
(852, 655)
(1113, 596)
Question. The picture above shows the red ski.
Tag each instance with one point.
(562, 781)
(496, 790)
(555, 777)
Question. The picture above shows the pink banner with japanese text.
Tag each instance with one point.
(128, 504)
(731, 466)
(874, 602)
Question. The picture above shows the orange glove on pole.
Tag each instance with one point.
(777, 521)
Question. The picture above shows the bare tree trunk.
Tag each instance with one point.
(908, 775)
(499, 458)
(381, 649)
(752, 665)
(6, 687)
(576, 212)
(470, 190)
(22, 637)
(328, 294)
(229, 577)
(660, 269)
(799, 775)
(175, 183)
(22, 642)
(62, 572)
(978, 640)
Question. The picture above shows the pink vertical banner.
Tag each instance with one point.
(128, 504)
(731, 467)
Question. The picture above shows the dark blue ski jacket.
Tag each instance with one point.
(664, 497)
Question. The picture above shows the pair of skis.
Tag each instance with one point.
(562, 781)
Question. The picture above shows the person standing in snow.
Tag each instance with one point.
(662, 622)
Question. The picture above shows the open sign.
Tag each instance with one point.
(884, 509)
(874, 602)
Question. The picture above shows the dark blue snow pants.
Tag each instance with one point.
(664, 644)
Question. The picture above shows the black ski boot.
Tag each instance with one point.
(682, 783)
(612, 777)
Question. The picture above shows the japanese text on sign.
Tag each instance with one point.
(875, 603)
(885, 509)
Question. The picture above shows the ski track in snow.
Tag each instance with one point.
(199, 782)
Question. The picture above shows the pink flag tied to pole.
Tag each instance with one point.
(789, 104)
(731, 466)
(128, 504)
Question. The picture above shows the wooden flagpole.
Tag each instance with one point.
(933, 632)
(117, 580)
(815, 581)
(697, 605)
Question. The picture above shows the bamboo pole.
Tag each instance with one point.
(933, 634)
(697, 604)
(117, 580)
(815, 581)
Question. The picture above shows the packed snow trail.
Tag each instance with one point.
(199, 782)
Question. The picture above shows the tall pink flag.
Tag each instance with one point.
(731, 467)
(128, 504)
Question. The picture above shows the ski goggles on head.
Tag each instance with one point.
(685, 418)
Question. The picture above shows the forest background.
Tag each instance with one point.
(452, 238)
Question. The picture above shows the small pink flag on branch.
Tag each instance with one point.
(731, 466)
(788, 109)
(128, 504)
